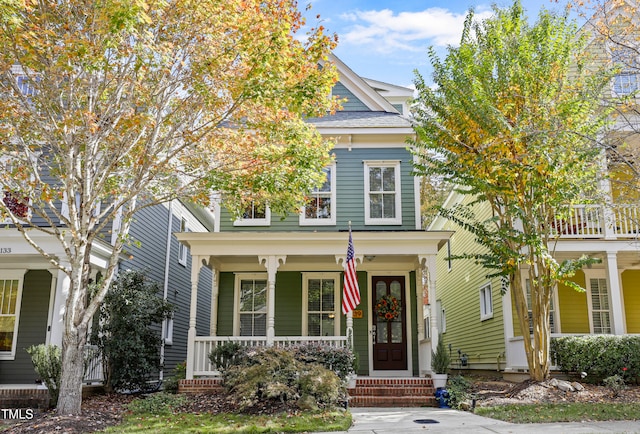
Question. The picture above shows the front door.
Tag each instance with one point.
(388, 311)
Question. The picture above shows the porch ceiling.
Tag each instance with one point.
(627, 260)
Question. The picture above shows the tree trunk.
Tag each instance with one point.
(70, 398)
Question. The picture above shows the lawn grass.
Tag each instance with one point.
(569, 412)
(233, 423)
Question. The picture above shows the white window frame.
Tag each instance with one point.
(266, 221)
(308, 221)
(371, 164)
(239, 277)
(182, 249)
(486, 302)
(441, 317)
(599, 276)
(306, 277)
(19, 276)
(168, 330)
(629, 74)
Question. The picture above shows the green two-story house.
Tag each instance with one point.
(280, 281)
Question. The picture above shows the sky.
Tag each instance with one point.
(387, 40)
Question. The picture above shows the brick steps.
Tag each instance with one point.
(392, 392)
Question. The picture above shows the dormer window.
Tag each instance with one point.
(625, 82)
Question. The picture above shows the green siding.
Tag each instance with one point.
(458, 290)
(574, 313)
(360, 325)
(352, 103)
(225, 304)
(631, 285)
(288, 320)
(349, 195)
(32, 328)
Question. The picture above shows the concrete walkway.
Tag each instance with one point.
(438, 420)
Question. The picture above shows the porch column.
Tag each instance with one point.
(215, 290)
(196, 265)
(422, 306)
(271, 263)
(615, 293)
(57, 304)
(433, 320)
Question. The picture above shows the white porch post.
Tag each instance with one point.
(215, 290)
(422, 285)
(433, 320)
(196, 265)
(61, 281)
(271, 263)
(615, 293)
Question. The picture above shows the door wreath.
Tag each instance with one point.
(388, 307)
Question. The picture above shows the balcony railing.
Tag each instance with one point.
(597, 221)
(205, 344)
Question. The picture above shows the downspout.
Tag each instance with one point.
(166, 286)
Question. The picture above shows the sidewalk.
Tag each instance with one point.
(437, 420)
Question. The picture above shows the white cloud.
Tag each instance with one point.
(386, 31)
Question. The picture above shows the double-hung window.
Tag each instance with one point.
(382, 193)
(320, 296)
(625, 82)
(10, 298)
(251, 305)
(320, 208)
(255, 214)
(486, 302)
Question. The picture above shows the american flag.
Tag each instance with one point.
(351, 292)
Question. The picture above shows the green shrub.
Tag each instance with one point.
(342, 361)
(600, 356)
(274, 375)
(226, 354)
(615, 383)
(157, 403)
(440, 358)
(47, 362)
(128, 334)
(459, 390)
(179, 373)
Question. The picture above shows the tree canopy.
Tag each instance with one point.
(108, 106)
(509, 122)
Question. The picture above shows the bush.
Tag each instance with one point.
(459, 391)
(274, 375)
(171, 383)
(128, 334)
(157, 403)
(339, 360)
(600, 356)
(47, 362)
(615, 383)
(440, 358)
(226, 354)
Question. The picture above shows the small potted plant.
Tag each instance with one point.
(440, 361)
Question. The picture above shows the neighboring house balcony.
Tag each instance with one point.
(598, 221)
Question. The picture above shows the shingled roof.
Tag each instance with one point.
(361, 119)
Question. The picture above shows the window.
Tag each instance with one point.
(320, 317)
(552, 325)
(486, 302)
(255, 214)
(382, 193)
(441, 317)
(625, 82)
(251, 302)
(600, 310)
(168, 330)
(10, 297)
(182, 249)
(320, 208)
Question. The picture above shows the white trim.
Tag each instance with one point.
(371, 164)
(183, 250)
(19, 276)
(305, 299)
(331, 221)
(236, 297)
(590, 275)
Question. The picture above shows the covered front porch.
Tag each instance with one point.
(284, 289)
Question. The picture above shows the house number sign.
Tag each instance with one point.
(5, 250)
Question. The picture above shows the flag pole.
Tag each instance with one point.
(349, 325)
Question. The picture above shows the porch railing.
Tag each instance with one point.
(93, 372)
(203, 346)
(597, 221)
